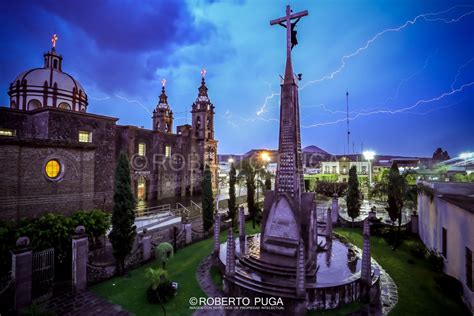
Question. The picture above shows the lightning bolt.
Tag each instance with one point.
(424, 16)
(100, 99)
(344, 59)
(133, 101)
(460, 70)
(405, 80)
(423, 101)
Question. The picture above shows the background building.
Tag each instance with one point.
(446, 224)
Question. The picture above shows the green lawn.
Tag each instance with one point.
(417, 290)
(129, 292)
(418, 294)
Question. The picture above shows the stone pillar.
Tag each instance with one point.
(217, 229)
(414, 223)
(146, 247)
(365, 274)
(335, 209)
(329, 226)
(300, 271)
(80, 252)
(22, 272)
(241, 223)
(230, 255)
(189, 234)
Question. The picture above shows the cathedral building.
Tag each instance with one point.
(57, 157)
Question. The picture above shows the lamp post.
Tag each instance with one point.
(369, 155)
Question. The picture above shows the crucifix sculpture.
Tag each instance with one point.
(291, 40)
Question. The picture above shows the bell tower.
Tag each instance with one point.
(203, 130)
(162, 114)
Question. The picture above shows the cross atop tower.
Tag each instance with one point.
(54, 39)
(203, 73)
(163, 82)
(291, 40)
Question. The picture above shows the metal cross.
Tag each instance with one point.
(54, 39)
(290, 31)
(203, 72)
(163, 82)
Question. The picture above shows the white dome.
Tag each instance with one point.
(38, 76)
(47, 87)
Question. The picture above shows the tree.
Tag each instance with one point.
(232, 205)
(248, 171)
(396, 194)
(328, 188)
(353, 195)
(439, 154)
(123, 231)
(207, 200)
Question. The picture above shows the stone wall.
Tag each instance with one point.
(27, 192)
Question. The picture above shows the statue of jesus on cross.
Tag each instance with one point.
(291, 40)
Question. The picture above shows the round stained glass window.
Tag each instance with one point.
(53, 169)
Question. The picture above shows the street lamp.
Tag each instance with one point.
(369, 155)
(230, 160)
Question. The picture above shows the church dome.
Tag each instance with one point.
(47, 86)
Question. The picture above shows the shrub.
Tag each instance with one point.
(161, 289)
(449, 286)
(435, 260)
(418, 250)
(163, 253)
(96, 223)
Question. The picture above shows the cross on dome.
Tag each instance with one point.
(203, 73)
(163, 82)
(54, 39)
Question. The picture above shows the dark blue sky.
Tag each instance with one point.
(408, 66)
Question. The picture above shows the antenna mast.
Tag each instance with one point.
(347, 120)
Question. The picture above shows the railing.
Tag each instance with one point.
(153, 210)
(180, 209)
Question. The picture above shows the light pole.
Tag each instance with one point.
(369, 155)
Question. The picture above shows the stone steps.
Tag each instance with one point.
(279, 270)
(264, 287)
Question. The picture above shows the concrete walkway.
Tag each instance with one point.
(83, 303)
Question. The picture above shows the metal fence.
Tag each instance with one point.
(43, 274)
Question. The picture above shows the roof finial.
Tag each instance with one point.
(54, 39)
(203, 73)
(163, 82)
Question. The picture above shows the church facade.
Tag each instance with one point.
(57, 157)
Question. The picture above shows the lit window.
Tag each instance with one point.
(52, 169)
(85, 137)
(167, 151)
(7, 132)
(141, 149)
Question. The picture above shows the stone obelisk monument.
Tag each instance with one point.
(288, 235)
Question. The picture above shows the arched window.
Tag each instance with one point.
(55, 64)
(13, 105)
(34, 104)
(64, 106)
(141, 188)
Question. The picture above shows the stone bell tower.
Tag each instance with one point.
(203, 131)
(162, 114)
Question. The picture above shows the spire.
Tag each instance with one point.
(163, 103)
